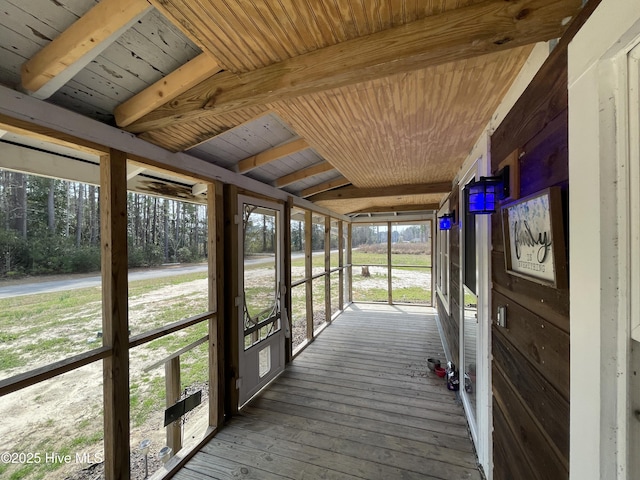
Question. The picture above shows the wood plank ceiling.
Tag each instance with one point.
(377, 103)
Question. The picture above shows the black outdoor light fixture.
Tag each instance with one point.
(483, 194)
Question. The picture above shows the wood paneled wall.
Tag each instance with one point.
(530, 368)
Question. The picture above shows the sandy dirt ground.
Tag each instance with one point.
(36, 419)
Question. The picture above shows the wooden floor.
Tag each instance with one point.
(359, 402)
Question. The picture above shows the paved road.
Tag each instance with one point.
(95, 281)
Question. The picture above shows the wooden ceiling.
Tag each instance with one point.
(391, 94)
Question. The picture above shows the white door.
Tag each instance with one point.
(261, 301)
(468, 307)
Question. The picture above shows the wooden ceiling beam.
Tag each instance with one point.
(272, 155)
(311, 171)
(166, 89)
(59, 61)
(459, 34)
(323, 187)
(397, 208)
(351, 193)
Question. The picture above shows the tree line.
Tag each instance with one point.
(53, 226)
(360, 235)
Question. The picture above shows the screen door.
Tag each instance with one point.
(261, 301)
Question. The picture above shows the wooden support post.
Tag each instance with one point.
(308, 270)
(172, 386)
(286, 223)
(115, 328)
(327, 268)
(215, 249)
(341, 265)
(431, 240)
(232, 256)
(349, 261)
(389, 281)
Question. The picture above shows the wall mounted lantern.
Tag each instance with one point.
(483, 194)
(447, 220)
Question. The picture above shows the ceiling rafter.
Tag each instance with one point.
(459, 34)
(272, 155)
(351, 192)
(59, 61)
(308, 172)
(166, 89)
(323, 187)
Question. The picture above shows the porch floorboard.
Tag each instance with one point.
(358, 402)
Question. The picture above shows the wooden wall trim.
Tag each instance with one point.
(286, 224)
(160, 332)
(341, 264)
(18, 382)
(216, 255)
(115, 318)
(231, 318)
(172, 387)
(327, 269)
(389, 278)
(349, 263)
(308, 271)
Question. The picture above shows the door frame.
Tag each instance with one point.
(472, 416)
(603, 235)
(249, 381)
(482, 426)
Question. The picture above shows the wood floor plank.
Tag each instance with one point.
(454, 442)
(323, 458)
(357, 403)
(437, 426)
(373, 367)
(351, 390)
(325, 378)
(270, 462)
(374, 405)
(384, 441)
(419, 464)
(374, 375)
(220, 468)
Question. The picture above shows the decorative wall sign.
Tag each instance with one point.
(534, 238)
